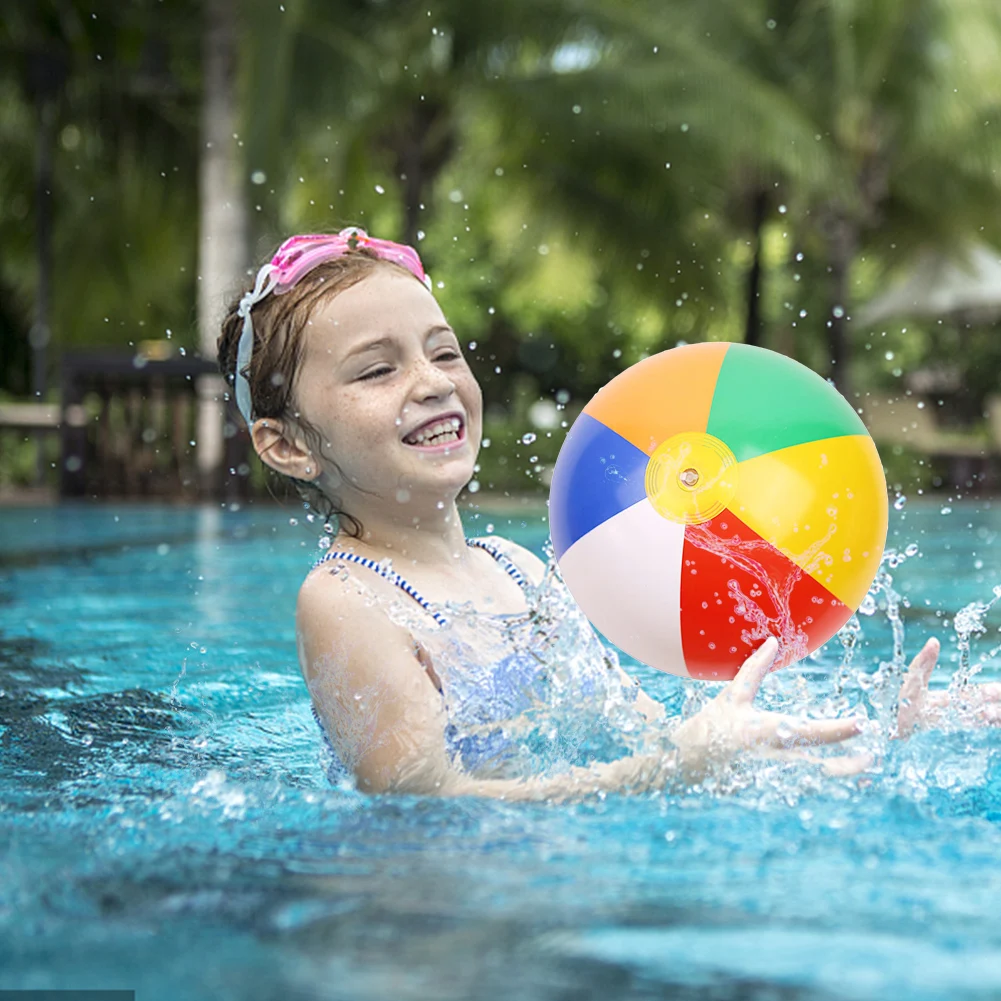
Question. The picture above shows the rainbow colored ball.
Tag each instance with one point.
(711, 496)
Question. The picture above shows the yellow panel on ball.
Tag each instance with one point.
(823, 504)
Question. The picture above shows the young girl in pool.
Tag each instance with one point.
(416, 643)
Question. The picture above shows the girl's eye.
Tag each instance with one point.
(449, 355)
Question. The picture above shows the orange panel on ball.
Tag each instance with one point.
(661, 396)
(736, 590)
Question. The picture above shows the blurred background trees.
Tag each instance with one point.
(588, 181)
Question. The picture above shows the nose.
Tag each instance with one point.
(430, 382)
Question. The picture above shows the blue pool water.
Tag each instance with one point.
(165, 823)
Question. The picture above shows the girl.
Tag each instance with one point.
(430, 658)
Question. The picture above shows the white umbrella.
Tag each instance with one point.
(967, 284)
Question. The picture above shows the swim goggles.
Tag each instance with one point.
(296, 257)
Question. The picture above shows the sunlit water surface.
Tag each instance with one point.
(165, 822)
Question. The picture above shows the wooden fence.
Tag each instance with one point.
(128, 429)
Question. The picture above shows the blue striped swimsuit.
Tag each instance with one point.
(486, 695)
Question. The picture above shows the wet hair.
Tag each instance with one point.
(280, 323)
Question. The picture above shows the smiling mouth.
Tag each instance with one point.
(435, 434)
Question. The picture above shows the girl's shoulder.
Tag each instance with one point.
(331, 583)
(524, 559)
(340, 605)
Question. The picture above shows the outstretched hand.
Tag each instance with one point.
(976, 705)
(730, 726)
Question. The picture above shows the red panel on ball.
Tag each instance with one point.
(737, 590)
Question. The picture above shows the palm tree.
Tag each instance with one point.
(223, 250)
(890, 101)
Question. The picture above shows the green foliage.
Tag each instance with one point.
(581, 179)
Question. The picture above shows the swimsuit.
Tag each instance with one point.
(478, 697)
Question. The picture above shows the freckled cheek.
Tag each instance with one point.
(368, 424)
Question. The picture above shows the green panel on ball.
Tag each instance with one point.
(765, 401)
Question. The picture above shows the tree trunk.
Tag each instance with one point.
(41, 330)
(422, 145)
(842, 243)
(222, 245)
(753, 331)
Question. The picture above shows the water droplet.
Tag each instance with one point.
(868, 606)
(898, 504)
(911, 550)
(293, 521)
(380, 190)
(946, 510)
(528, 437)
(473, 486)
(440, 505)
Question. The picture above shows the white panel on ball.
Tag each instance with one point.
(626, 576)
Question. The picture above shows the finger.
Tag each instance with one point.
(745, 685)
(914, 690)
(920, 669)
(844, 765)
(796, 733)
(838, 765)
(990, 691)
(990, 715)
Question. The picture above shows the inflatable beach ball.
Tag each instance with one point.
(711, 496)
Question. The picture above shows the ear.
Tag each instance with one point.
(283, 450)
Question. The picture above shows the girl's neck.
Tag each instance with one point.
(436, 539)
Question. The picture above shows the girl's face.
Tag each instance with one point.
(384, 381)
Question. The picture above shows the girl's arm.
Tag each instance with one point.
(387, 721)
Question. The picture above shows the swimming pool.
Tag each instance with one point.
(165, 824)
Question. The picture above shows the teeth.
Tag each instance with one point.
(447, 428)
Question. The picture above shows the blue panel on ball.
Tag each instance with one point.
(597, 475)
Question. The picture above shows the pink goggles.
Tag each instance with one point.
(300, 254)
(296, 257)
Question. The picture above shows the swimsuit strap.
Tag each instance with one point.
(394, 578)
(505, 561)
(391, 576)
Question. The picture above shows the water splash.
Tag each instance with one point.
(746, 555)
(882, 686)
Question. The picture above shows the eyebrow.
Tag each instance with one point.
(383, 342)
